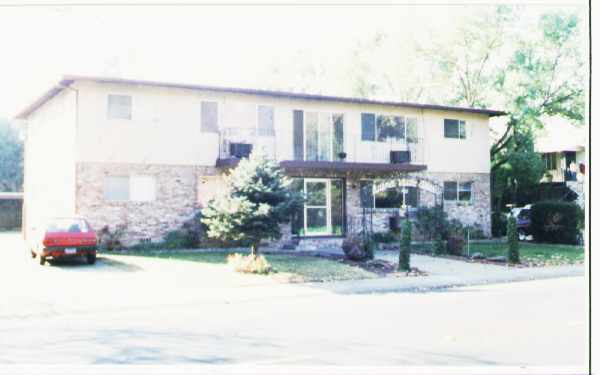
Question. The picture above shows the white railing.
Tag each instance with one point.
(379, 152)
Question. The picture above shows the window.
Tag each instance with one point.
(142, 188)
(455, 129)
(374, 196)
(134, 188)
(209, 117)
(455, 191)
(368, 126)
(322, 213)
(549, 160)
(266, 125)
(119, 107)
(318, 136)
(386, 128)
(116, 188)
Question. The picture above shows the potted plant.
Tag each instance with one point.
(342, 155)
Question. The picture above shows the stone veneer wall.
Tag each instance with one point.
(176, 198)
(476, 212)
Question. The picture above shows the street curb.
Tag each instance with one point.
(431, 283)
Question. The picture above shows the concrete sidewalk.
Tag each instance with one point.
(447, 273)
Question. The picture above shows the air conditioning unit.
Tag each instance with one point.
(240, 150)
(398, 157)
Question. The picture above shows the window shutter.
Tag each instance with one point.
(451, 128)
(338, 135)
(412, 130)
(298, 135)
(450, 190)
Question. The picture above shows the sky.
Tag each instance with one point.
(215, 45)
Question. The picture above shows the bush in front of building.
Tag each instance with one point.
(555, 222)
(259, 199)
(405, 245)
(498, 224)
(358, 248)
(512, 241)
(250, 263)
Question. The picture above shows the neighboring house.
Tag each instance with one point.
(149, 155)
(563, 150)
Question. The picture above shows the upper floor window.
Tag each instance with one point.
(209, 117)
(119, 107)
(455, 129)
(266, 123)
(137, 188)
(386, 128)
(458, 191)
(318, 136)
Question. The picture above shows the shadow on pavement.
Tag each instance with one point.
(103, 264)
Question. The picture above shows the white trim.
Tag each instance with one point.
(327, 206)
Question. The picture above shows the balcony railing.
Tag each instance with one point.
(260, 139)
(379, 152)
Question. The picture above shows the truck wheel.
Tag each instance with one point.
(522, 235)
(90, 258)
(42, 260)
(33, 254)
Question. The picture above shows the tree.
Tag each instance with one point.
(405, 240)
(513, 240)
(519, 174)
(11, 158)
(258, 200)
(545, 77)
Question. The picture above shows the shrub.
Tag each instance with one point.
(357, 248)
(111, 239)
(555, 222)
(251, 263)
(406, 238)
(498, 224)
(513, 240)
(438, 244)
(430, 221)
(455, 245)
(383, 237)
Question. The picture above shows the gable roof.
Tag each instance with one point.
(69, 79)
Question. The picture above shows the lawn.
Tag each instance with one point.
(288, 267)
(534, 253)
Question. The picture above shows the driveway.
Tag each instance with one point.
(131, 310)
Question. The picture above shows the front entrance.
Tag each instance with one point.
(323, 211)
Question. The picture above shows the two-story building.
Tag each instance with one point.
(149, 155)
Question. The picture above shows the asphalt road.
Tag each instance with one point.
(146, 311)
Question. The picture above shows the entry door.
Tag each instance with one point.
(317, 208)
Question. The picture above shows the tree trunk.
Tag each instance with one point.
(254, 249)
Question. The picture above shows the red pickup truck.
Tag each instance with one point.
(65, 237)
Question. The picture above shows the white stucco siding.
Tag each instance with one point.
(470, 155)
(165, 129)
(50, 161)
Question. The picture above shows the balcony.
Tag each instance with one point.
(366, 158)
(236, 143)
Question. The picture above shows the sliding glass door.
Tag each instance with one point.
(323, 210)
(318, 136)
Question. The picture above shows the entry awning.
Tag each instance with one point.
(349, 167)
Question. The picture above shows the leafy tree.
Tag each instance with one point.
(258, 200)
(545, 77)
(405, 240)
(513, 240)
(11, 158)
